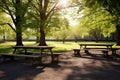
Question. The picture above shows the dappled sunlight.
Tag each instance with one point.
(63, 3)
(73, 68)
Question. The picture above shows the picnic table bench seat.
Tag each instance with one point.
(56, 56)
(104, 51)
(7, 56)
(37, 57)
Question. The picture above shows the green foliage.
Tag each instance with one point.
(111, 6)
(62, 29)
(97, 19)
(4, 27)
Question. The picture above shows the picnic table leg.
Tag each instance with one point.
(52, 56)
(77, 52)
(86, 50)
(25, 51)
(14, 51)
(105, 53)
(114, 52)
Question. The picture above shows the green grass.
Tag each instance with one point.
(59, 46)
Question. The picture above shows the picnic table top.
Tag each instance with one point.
(96, 44)
(35, 47)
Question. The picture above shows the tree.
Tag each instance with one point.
(44, 10)
(111, 6)
(96, 33)
(17, 10)
(62, 30)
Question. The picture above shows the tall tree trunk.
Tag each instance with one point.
(42, 38)
(37, 39)
(76, 39)
(18, 24)
(18, 32)
(19, 39)
(118, 34)
(18, 35)
(37, 35)
(96, 39)
(4, 37)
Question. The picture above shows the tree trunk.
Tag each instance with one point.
(4, 37)
(18, 24)
(76, 39)
(42, 37)
(63, 41)
(18, 32)
(96, 39)
(37, 35)
(18, 35)
(19, 39)
(37, 39)
(118, 34)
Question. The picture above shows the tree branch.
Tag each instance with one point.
(9, 25)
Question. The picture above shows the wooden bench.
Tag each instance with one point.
(104, 50)
(56, 56)
(30, 56)
(12, 57)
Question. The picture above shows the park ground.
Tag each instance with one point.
(69, 67)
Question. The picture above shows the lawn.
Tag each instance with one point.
(59, 46)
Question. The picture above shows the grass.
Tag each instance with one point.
(59, 46)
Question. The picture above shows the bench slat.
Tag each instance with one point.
(21, 55)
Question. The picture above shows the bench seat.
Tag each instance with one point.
(12, 56)
(95, 48)
(56, 56)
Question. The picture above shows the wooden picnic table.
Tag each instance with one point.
(41, 48)
(98, 46)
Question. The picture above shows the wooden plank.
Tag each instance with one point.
(21, 55)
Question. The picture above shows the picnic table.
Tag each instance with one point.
(98, 46)
(42, 51)
(41, 48)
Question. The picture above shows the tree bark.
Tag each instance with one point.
(42, 38)
(118, 34)
(19, 39)
(37, 39)
(17, 24)
(18, 33)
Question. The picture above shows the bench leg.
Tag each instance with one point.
(56, 58)
(105, 53)
(114, 52)
(86, 51)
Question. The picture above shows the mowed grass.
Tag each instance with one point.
(59, 46)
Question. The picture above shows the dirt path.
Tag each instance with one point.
(69, 68)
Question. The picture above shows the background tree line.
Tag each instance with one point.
(48, 18)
